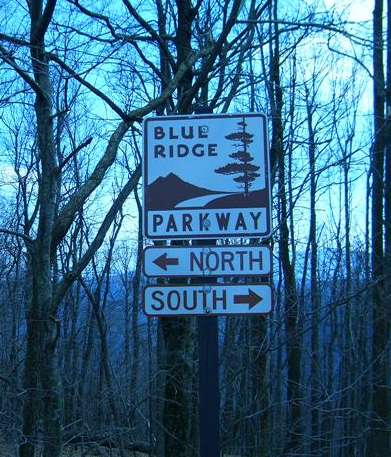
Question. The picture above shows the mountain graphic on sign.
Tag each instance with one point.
(168, 191)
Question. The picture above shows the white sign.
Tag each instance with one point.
(206, 176)
(207, 261)
(207, 300)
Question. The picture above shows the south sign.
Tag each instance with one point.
(206, 176)
(208, 300)
(207, 261)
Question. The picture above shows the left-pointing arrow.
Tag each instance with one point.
(163, 261)
(251, 299)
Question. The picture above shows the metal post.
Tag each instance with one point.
(208, 375)
(208, 368)
(209, 398)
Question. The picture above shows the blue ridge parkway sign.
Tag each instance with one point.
(206, 176)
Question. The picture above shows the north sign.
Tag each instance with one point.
(209, 300)
(206, 176)
(207, 261)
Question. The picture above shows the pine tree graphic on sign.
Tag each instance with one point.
(242, 167)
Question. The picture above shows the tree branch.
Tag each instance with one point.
(323, 26)
(13, 40)
(7, 57)
(89, 86)
(94, 15)
(216, 49)
(151, 31)
(43, 22)
(63, 286)
(75, 151)
(354, 58)
(26, 238)
(66, 216)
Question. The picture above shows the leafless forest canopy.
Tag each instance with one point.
(82, 370)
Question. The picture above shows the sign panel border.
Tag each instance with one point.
(208, 235)
(210, 314)
(209, 275)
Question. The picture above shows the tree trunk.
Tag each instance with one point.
(176, 331)
(315, 398)
(41, 338)
(31, 405)
(176, 410)
(290, 294)
(379, 444)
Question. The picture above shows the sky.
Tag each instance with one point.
(358, 10)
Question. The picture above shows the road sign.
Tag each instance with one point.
(207, 261)
(206, 176)
(207, 300)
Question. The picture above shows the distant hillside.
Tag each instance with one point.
(168, 191)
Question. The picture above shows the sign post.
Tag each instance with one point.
(207, 177)
(209, 391)
(208, 373)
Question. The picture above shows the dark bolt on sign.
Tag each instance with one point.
(206, 176)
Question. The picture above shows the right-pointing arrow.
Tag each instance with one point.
(163, 261)
(251, 299)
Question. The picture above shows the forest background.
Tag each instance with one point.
(82, 369)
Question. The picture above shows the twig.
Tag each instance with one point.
(26, 238)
